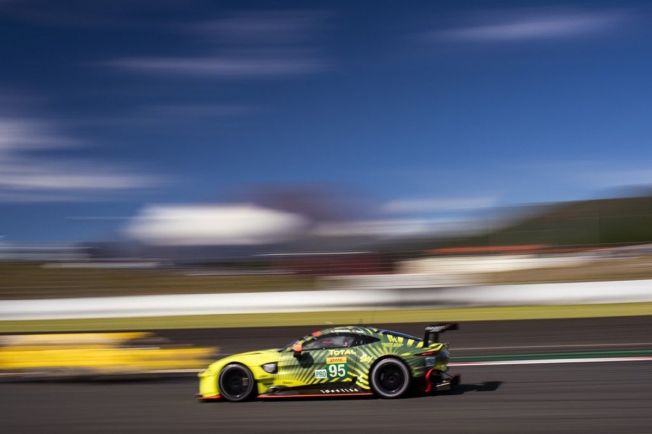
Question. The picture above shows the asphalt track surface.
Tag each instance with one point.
(574, 398)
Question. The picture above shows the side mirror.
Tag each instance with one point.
(297, 349)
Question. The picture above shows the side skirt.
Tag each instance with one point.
(317, 390)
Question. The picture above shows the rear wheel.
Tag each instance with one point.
(390, 378)
(236, 382)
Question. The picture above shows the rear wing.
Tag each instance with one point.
(432, 332)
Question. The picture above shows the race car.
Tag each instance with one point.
(80, 355)
(338, 361)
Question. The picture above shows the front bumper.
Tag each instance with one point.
(208, 398)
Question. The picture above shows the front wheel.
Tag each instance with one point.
(236, 383)
(390, 378)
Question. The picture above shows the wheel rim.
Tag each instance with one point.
(391, 378)
(235, 383)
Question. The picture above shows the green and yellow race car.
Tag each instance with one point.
(338, 361)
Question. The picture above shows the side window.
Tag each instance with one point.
(364, 340)
(330, 341)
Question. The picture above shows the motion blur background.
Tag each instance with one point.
(316, 158)
(157, 147)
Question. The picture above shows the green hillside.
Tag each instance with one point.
(591, 222)
(616, 221)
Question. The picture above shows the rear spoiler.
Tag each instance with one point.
(432, 332)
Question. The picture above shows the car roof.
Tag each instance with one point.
(361, 330)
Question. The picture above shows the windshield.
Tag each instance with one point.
(291, 343)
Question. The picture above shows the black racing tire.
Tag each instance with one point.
(390, 378)
(236, 383)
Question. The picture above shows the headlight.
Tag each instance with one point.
(270, 368)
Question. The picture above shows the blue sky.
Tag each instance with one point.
(422, 108)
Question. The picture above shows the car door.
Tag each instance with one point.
(323, 359)
(336, 358)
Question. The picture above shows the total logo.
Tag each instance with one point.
(340, 352)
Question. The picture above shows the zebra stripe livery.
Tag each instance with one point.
(329, 362)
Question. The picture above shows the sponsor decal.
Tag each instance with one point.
(321, 373)
(339, 359)
(340, 390)
(340, 352)
(337, 370)
(365, 358)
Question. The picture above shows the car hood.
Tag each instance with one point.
(258, 357)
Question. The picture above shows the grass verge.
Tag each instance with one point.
(335, 317)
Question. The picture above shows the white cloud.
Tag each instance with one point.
(390, 227)
(421, 205)
(253, 44)
(238, 224)
(169, 115)
(26, 175)
(50, 175)
(196, 110)
(247, 66)
(25, 134)
(32, 197)
(263, 27)
(531, 25)
(615, 177)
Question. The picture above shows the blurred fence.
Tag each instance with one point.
(310, 271)
(296, 301)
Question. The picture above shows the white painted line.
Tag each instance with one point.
(529, 347)
(32, 374)
(553, 361)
